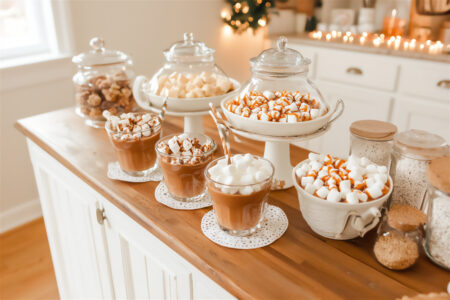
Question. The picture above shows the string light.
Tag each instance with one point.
(247, 14)
(397, 43)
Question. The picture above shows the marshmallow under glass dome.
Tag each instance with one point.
(280, 105)
(189, 79)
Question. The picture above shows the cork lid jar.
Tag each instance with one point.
(373, 130)
(438, 174)
(420, 144)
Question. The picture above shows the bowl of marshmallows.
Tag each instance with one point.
(185, 92)
(341, 199)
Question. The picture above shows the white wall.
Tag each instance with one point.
(140, 28)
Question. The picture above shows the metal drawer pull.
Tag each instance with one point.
(445, 84)
(100, 215)
(355, 71)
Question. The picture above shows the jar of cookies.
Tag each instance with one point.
(397, 246)
(372, 139)
(412, 152)
(189, 72)
(437, 243)
(103, 82)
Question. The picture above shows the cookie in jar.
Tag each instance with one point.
(103, 83)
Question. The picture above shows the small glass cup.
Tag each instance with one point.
(239, 209)
(184, 175)
(136, 156)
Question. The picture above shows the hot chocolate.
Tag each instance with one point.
(239, 192)
(134, 136)
(183, 159)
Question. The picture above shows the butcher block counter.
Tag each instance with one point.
(112, 239)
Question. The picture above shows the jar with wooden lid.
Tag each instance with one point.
(103, 82)
(372, 139)
(399, 237)
(437, 242)
(412, 152)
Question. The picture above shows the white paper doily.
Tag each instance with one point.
(162, 196)
(116, 173)
(272, 228)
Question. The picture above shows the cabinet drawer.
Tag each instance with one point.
(430, 80)
(357, 69)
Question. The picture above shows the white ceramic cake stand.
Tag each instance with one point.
(277, 149)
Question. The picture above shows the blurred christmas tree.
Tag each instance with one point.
(246, 14)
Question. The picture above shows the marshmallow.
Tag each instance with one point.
(315, 113)
(345, 186)
(333, 196)
(173, 145)
(352, 198)
(309, 188)
(371, 168)
(355, 175)
(291, 118)
(318, 183)
(307, 179)
(315, 165)
(365, 161)
(362, 196)
(247, 190)
(314, 157)
(375, 191)
(269, 95)
(323, 192)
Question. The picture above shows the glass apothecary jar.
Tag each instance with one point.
(399, 235)
(437, 242)
(412, 152)
(282, 69)
(189, 72)
(103, 82)
(372, 139)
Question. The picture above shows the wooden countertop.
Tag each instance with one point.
(299, 265)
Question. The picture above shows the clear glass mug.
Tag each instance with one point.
(184, 179)
(239, 209)
(136, 156)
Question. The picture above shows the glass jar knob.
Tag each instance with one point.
(188, 38)
(282, 43)
(98, 44)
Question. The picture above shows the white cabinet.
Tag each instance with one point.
(112, 257)
(360, 104)
(417, 113)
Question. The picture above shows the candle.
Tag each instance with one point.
(376, 42)
(345, 39)
(328, 37)
(392, 25)
(361, 40)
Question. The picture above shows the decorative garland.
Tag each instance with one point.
(248, 14)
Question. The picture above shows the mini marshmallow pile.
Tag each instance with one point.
(189, 150)
(131, 125)
(353, 181)
(243, 170)
(189, 85)
(279, 106)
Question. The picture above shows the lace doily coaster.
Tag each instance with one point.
(162, 196)
(116, 173)
(272, 228)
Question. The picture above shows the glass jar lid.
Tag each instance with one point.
(99, 55)
(438, 173)
(373, 130)
(280, 59)
(420, 144)
(189, 50)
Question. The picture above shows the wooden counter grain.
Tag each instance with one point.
(299, 265)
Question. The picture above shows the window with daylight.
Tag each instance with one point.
(26, 28)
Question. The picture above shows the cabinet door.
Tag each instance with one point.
(69, 209)
(424, 114)
(143, 267)
(360, 104)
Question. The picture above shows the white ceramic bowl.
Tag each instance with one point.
(280, 129)
(178, 104)
(339, 221)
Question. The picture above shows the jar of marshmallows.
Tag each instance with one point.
(437, 243)
(103, 82)
(372, 139)
(412, 152)
(189, 72)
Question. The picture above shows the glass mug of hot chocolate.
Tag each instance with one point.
(239, 192)
(183, 159)
(133, 136)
